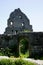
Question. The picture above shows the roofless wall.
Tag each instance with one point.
(18, 27)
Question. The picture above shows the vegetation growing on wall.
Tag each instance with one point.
(23, 48)
(25, 30)
(8, 52)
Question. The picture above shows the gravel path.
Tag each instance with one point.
(2, 57)
(38, 62)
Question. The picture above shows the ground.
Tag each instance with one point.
(38, 62)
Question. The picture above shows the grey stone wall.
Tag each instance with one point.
(35, 42)
(9, 42)
(17, 22)
(36, 47)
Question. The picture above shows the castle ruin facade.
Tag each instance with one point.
(18, 27)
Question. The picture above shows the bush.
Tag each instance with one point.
(15, 62)
(9, 51)
(41, 58)
(26, 55)
(5, 62)
(23, 62)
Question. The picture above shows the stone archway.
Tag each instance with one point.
(23, 46)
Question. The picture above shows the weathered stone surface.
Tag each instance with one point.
(35, 42)
(16, 24)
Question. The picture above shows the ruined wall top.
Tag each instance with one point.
(17, 22)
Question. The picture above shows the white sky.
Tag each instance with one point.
(32, 8)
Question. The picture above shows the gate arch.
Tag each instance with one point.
(23, 45)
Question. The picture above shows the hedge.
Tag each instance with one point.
(15, 62)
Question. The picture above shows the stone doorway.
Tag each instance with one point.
(24, 47)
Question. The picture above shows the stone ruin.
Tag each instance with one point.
(18, 27)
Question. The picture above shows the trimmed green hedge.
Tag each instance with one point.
(15, 62)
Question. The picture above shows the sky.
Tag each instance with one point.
(32, 8)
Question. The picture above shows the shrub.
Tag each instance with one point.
(9, 51)
(26, 55)
(1, 54)
(5, 62)
(15, 62)
(23, 48)
(23, 62)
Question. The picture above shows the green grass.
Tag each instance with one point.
(26, 55)
(15, 62)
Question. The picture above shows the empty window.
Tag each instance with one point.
(20, 16)
(11, 23)
(22, 24)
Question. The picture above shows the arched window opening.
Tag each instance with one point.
(11, 23)
(20, 17)
(22, 24)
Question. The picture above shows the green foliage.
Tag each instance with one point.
(26, 55)
(8, 52)
(24, 52)
(23, 45)
(1, 54)
(27, 30)
(41, 58)
(5, 62)
(15, 62)
(4, 52)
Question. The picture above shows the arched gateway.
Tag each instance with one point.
(19, 36)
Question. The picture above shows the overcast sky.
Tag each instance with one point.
(32, 8)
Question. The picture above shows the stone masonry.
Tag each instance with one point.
(17, 25)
